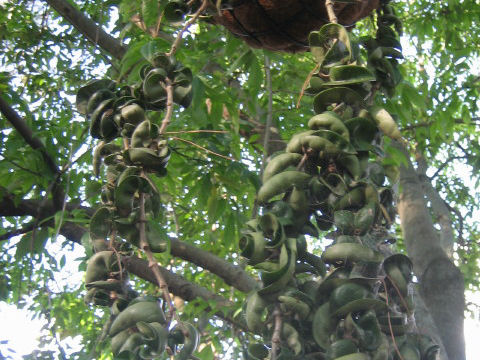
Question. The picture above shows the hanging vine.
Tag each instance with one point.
(130, 199)
(353, 302)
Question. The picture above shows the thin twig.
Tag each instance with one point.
(445, 164)
(203, 148)
(385, 214)
(169, 112)
(177, 41)
(331, 12)
(196, 131)
(268, 125)
(23, 168)
(305, 84)
(152, 263)
(402, 299)
(277, 332)
(27, 228)
(390, 322)
(159, 21)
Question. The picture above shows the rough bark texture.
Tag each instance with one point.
(176, 284)
(88, 28)
(439, 208)
(440, 282)
(232, 275)
(424, 323)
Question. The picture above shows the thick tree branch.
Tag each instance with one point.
(440, 282)
(180, 287)
(176, 284)
(10, 206)
(86, 26)
(23, 129)
(233, 275)
(438, 206)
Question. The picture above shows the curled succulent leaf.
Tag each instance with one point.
(190, 340)
(175, 11)
(330, 121)
(143, 310)
(348, 252)
(282, 182)
(86, 92)
(280, 163)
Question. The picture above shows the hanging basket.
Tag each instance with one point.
(284, 25)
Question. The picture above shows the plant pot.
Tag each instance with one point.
(284, 25)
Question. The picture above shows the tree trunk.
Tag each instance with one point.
(441, 283)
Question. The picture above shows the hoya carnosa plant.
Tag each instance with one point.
(132, 149)
(353, 302)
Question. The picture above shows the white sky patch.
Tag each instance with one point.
(19, 330)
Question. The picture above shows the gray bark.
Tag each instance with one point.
(86, 26)
(233, 275)
(438, 207)
(440, 281)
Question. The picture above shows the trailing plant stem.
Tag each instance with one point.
(277, 331)
(169, 112)
(194, 18)
(331, 12)
(152, 263)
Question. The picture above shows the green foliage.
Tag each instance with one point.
(208, 198)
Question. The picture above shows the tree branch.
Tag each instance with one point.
(441, 282)
(176, 284)
(23, 129)
(438, 206)
(86, 26)
(233, 275)
(181, 287)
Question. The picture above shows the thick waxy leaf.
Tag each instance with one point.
(252, 246)
(142, 311)
(350, 74)
(348, 252)
(336, 95)
(101, 223)
(257, 351)
(330, 45)
(85, 92)
(175, 11)
(280, 163)
(280, 183)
